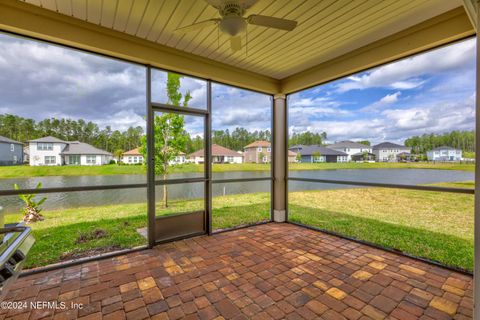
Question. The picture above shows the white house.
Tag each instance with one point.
(135, 157)
(219, 155)
(181, 158)
(79, 153)
(350, 148)
(132, 157)
(389, 152)
(46, 151)
(444, 153)
(51, 151)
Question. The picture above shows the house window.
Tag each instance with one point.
(50, 160)
(265, 159)
(259, 149)
(130, 159)
(44, 146)
(91, 159)
(74, 159)
(140, 159)
(317, 159)
(135, 159)
(12, 147)
(229, 159)
(15, 159)
(269, 149)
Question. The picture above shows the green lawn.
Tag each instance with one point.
(70, 233)
(437, 226)
(40, 171)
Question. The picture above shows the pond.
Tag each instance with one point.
(61, 200)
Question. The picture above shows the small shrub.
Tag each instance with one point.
(31, 211)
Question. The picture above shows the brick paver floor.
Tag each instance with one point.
(272, 271)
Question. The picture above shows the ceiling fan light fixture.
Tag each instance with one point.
(233, 25)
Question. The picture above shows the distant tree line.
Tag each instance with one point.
(115, 141)
(463, 140)
(307, 138)
(239, 138)
(24, 129)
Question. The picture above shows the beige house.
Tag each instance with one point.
(219, 155)
(261, 152)
(132, 157)
(258, 152)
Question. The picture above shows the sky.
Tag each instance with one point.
(429, 93)
(433, 92)
(39, 80)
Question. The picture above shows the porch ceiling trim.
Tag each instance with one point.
(448, 27)
(25, 19)
(29, 20)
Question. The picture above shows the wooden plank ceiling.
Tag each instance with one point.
(326, 28)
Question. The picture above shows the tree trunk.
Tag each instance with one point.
(165, 192)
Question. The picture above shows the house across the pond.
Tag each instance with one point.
(219, 155)
(388, 151)
(51, 151)
(354, 150)
(11, 152)
(444, 153)
(316, 154)
(258, 152)
(261, 152)
(132, 157)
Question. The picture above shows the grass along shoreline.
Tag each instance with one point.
(75, 232)
(26, 171)
(433, 225)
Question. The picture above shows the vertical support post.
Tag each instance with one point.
(476, 244)
(208, 161)
(150, 163)
(281, 158)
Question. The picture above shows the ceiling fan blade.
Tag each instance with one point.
(272, 22)
(236, 43)
(198, 25)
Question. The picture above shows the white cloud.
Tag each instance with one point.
(41, 81)
(397, 124)
(383, 102)
(233, 107)
(405, 74)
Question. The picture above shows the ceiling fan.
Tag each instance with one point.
(233, 23)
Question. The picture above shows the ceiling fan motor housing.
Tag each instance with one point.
(233, 22)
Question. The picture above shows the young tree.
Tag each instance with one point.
(298, 157)
(260, 157)
(169, 136)
(316, 156)
(365, 156)
(118, 154)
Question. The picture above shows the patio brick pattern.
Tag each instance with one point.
(272, 271)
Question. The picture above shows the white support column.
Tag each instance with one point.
(279, 158)
(476, 246)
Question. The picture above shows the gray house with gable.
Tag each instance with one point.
(11, 152)
(317, 154)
